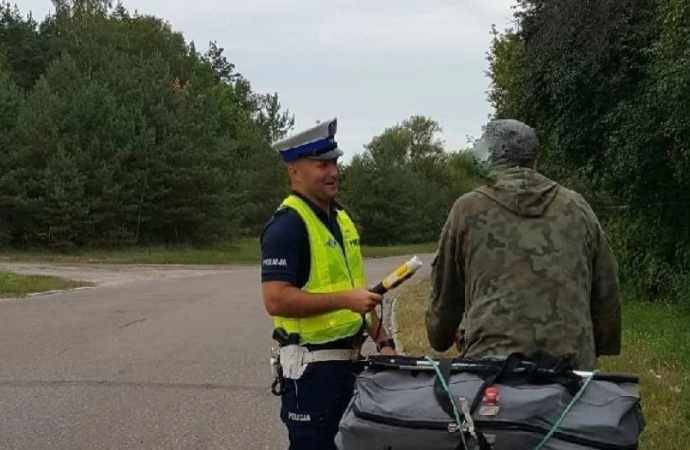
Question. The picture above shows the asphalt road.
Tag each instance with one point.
(152, 358)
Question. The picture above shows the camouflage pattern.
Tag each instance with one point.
(525, 264)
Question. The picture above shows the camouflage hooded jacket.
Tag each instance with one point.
(526, 266)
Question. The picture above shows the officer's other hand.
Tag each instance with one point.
(363, 300)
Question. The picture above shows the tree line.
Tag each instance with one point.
(607, 84)
(115, 131)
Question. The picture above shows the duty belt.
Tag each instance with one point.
(351, 354)
(298, 356)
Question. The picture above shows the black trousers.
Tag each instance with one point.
(311, 407)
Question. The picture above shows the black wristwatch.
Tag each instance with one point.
(388, 343)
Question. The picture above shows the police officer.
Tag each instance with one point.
(524, 264)
(314, 287)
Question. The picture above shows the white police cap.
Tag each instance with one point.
(317, 142)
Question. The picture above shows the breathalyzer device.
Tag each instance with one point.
(401, 274)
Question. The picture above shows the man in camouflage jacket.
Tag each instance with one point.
(524, 264)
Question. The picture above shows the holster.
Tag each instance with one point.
(290, 359)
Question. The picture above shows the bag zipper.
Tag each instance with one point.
(485, 426)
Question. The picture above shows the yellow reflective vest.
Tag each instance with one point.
(332, 270)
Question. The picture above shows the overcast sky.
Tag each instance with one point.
(371, 64)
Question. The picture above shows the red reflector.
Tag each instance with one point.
(491, 395)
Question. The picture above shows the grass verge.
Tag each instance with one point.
(243, 252)
(656, 345)
(15, 285)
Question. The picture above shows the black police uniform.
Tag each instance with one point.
(312, 406)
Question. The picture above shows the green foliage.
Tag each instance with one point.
(505, 69)
(117, 132)
(22, 50)
(607, 85)
(11, 101)
(403, 186)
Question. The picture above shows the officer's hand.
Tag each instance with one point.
(363, 300)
